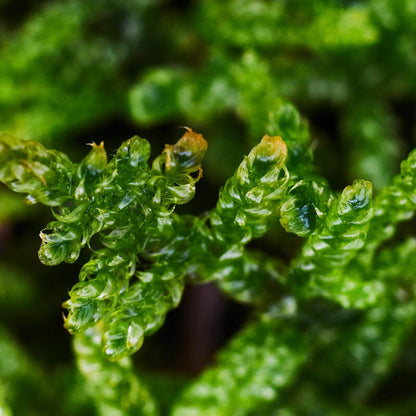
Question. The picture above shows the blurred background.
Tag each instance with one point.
(73, 72)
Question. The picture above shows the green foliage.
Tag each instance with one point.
(57, 72)
(130, 205)
(320, 268)
(396, 203)
(148, 252)
(332, 307)
(355, 57)
(260, 361)
(113, 386)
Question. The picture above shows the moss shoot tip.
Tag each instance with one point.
(271, 149)
(193, 142)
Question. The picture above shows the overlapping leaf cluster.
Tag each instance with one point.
(338, 317)
(148, 252)
(130, 205)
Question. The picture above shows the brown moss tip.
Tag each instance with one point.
(95, 145)
(271, 148)
(97, 157)
(193, 142)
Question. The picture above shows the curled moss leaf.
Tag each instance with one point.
(307, 203)
(28, 167)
